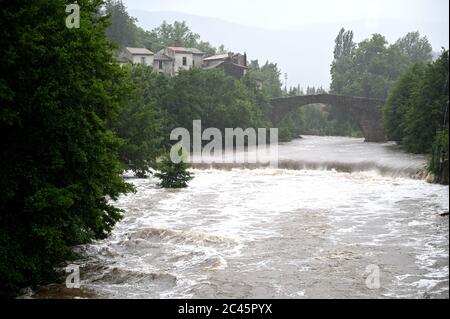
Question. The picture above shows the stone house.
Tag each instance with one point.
(173, 59)
(234, 64)
(136, 56)
(163, 63)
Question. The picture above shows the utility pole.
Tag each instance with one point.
(285, 82)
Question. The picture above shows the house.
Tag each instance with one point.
(163, 63)
(173, 59)
(184, 58)
(136, 56)
(234, 64)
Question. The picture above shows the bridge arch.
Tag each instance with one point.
(367, 111)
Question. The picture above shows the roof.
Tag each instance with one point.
(196, 51)
(185, 50)
(160, 56)
(220, 63)
(214, 65)
(141, 51)
(217, 57)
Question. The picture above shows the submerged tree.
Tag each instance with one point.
(174, 174)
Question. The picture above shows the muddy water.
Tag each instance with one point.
(308, 229)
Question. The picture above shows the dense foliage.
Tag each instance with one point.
(371, 67)
(58, 88)
(214, 98)
(142, 123)
(124, 32)
(416, 112)
(173, 175)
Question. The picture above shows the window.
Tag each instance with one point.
(184, 60)
(160, 65)
(143, 60)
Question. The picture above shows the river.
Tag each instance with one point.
(335, 210)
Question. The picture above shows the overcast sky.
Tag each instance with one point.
(279, 14)
(297, 34)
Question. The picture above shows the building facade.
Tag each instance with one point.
(234, 64)
(137, 56)
(172, 60)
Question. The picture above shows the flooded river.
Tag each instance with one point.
(336, 212)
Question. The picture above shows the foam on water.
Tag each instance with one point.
(271, 233)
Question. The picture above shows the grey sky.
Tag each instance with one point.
(314, 21)
(279, 14)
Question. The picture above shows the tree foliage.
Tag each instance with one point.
(58, 88)
(268, 76)
(212, 97)
(177, 34)
(173, 175)
(370, 67)
(124, 32)
(122, 29)
(142, 123)
(416, 113)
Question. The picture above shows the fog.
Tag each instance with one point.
(298, 35)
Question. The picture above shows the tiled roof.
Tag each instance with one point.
(196, 51)
(185, 50)
(219, 63)
(217, 57)
(142, 51)
(214, 65)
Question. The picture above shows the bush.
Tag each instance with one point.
(173, 175)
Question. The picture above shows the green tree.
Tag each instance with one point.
(173, 175)
(440, 155)
(400, 101)
(416, 113)
(58, 88)
(426, 115)
(177, 34)
(414, 48)
(122, 29)
(212, 97)
(141, 124)
(269, 77)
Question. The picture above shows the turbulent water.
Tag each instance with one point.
(316, 227)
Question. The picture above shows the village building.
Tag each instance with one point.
(234, 64)
(163, 63)
(136, 56)
(172, 60)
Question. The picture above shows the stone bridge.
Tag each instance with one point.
(367, 111)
